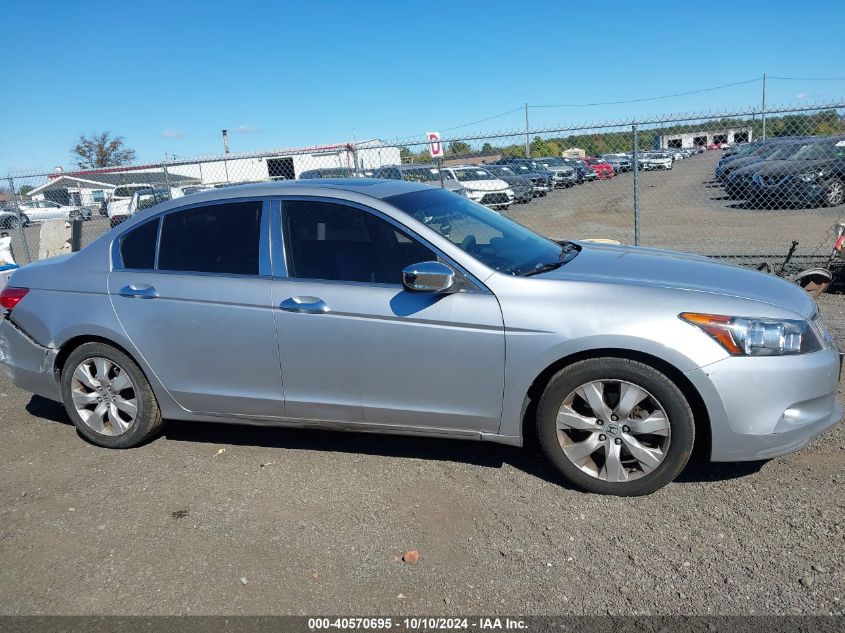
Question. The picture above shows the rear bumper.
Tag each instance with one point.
(27, 364)
(762, 407)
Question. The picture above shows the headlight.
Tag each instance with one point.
(810, 176)
(751, 336)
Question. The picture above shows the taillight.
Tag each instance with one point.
(10, 297)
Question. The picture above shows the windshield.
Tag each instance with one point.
(521, 167)
(490, 238)
(557, 162)
(820, 151)
(421, 175)
(782, 152)
(126, 192)
(501, 171)
(464, 175)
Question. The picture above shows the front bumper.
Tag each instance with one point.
(500, 198)
(563, 179)
(762, 407)
(788, 193)
(26, 363)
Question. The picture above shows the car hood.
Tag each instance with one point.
(784, 167)
(631, 265)
(485, 185)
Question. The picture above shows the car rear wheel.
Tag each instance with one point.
(11, 223)
(615, 426)
(108, 397)
(834, 192)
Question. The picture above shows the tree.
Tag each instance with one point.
(101, 150)
(459, 148)
(406, 155)
(488, 149)
(25, 189)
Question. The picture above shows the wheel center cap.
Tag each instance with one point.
(612, 429)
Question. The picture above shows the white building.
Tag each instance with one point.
(703, 138)
(91, 187)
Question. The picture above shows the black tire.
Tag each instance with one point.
(834, 192)
(680, 419)
(25, 219)
(147, 423)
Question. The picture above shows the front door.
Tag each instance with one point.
(357, 347)
(199, 312)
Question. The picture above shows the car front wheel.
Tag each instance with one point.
(834, 192)
(615, 426)
(108, 397)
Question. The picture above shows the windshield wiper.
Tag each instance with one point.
(541, 268)
(568, 251)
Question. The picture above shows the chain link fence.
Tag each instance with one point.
(741, 184)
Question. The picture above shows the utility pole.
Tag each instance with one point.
(764, 106)
(225, 151)
(527, 146)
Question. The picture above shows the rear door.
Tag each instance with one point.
(197, 306)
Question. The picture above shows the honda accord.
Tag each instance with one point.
(396, 307)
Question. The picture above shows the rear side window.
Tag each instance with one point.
(220, 238)
(138, 247)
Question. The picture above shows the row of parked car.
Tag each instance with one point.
(785, 171)
(508, 181)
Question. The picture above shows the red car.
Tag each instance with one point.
(603, 169)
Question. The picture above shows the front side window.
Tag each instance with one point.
(490, 238)
(337, 242)
(219, 238)
(138, 246)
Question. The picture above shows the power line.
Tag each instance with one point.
(489, 118)
(678, 94)
(809, 78)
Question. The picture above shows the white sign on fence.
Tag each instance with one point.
(434, 144)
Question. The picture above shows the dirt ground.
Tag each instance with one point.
(214, 519)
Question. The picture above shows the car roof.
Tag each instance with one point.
(372, 187)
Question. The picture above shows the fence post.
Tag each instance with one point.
(75, 235)
(635, 159)
(20, 220)
(166, 179)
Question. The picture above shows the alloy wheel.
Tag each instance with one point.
(613, 430)
(835, 194)
(104, 396)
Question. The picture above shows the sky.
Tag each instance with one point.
(168, 76)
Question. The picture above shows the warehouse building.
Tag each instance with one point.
(702, 138)
(91, 187)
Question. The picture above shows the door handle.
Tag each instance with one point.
(307, 305)
(138, 292)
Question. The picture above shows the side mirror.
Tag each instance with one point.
(428, 277)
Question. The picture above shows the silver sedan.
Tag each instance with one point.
(398, 307)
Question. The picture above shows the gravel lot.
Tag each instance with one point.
(232, 519)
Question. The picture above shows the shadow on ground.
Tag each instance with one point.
(485, 454)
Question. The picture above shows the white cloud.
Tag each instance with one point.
(172, 134)
(246, 129)
(802, 95)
